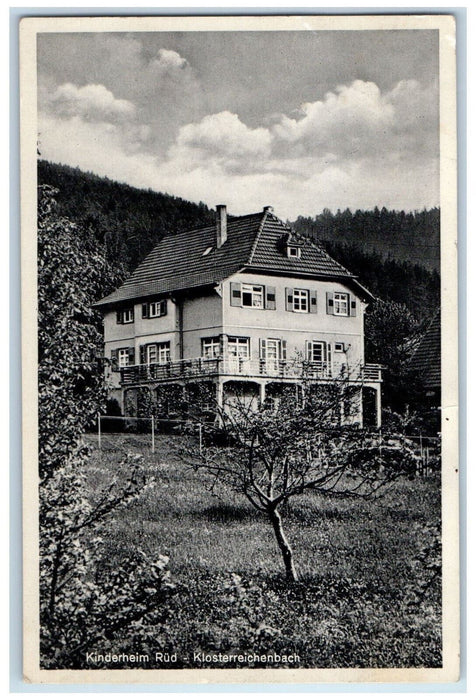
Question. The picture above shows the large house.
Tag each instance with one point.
(245, 305)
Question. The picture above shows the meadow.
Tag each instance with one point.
(369, 589)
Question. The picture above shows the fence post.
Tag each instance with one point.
(153, 434)
(200, 437)
(99, 430)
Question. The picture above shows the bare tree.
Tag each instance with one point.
(302, 441)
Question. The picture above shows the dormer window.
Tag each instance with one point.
(294, 251)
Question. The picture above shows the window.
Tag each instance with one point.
(163, 350)
(339, 347)
(123, 357)
(158, 308)
(125, 315)
(272, 349)
(252, 295)
(151, 354)
(294, 251)
(255, 296)
(239, 347)
(341, 304)
(211, 347)
(155, 353)
(272, 353)
(154, 309)
(316, 351)
(301, 300)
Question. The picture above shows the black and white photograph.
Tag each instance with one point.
(239, 321)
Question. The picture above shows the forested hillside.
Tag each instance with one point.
(128, 221)
(407, 236)
(391, 280)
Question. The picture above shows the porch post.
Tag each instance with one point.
(220, 393)
(378, 406)
(262, 392)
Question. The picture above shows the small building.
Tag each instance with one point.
(246, 305)
(424, 369)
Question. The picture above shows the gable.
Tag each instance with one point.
(190, 259)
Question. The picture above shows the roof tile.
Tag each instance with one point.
(190, 259)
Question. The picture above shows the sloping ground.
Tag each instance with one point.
(360, 563)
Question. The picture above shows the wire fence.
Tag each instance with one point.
(144, 425)
(115, 430)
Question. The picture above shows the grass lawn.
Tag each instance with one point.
(365, 598)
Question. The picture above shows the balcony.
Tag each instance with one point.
(237, 367)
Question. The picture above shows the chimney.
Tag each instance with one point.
(268, 209)
(221, 224)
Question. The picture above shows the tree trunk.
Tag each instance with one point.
(284, 546)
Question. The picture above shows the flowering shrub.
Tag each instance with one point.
(83, 600)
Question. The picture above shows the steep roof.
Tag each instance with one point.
(256, 242)
(426, 360)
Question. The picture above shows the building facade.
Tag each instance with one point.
(245, 305)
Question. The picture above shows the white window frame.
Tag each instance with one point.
(241, 345)
(151, 354)
(321, 344)
(294, 251)
(339, 347)
(300, 296)
(211, 347)
(274, 343)
(157, 308)
(257, 295)
(163, 352)
(123, 357)
(128, 315)
(341, 305)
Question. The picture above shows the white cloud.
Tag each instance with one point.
(357, 147)
(221, 139)
(91, 102)
(167, 59)
(342, 121)
(358, 120)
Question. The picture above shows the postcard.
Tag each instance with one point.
(239, 359)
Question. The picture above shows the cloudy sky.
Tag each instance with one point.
(298, 120)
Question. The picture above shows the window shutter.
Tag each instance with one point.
(163, 307)
(132, 354)
(262, 348)
(270, 297)
(114, 358)
(309, 350)
(283, 349)
(330, 303)
(313, 300)
(142, 354)
(118, 316)
(145, 310)
(235, 293)
(353, 306)
(289, 299)
(329, 359)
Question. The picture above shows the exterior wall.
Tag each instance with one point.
(212, 315)
(294, 327)
(140, 332)
(202, 318)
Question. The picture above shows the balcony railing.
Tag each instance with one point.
(242, 367)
